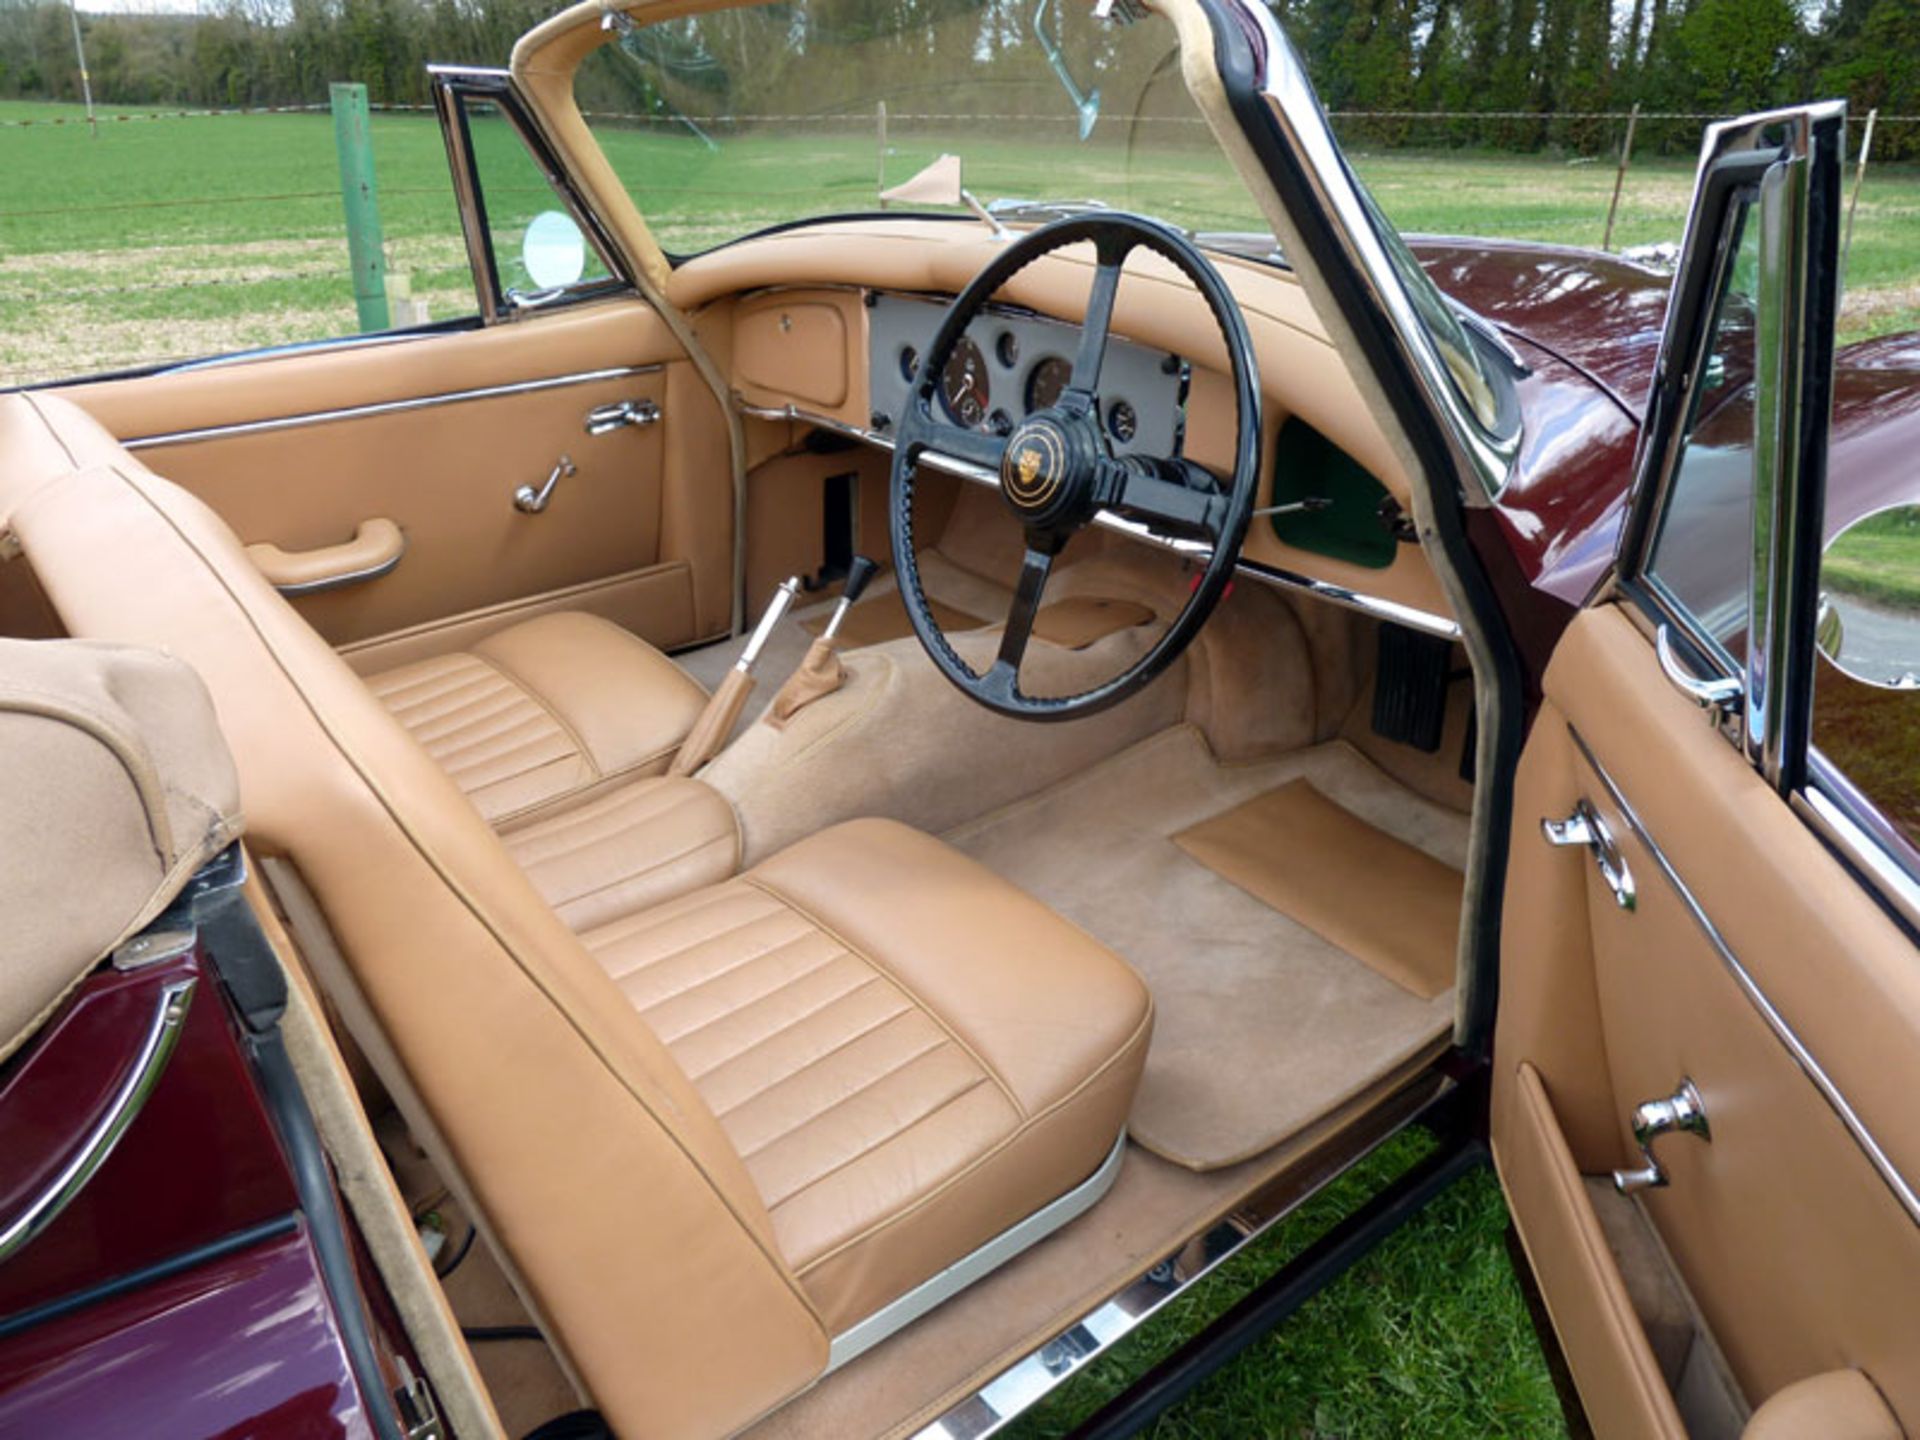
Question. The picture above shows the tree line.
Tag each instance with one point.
(1532, 70)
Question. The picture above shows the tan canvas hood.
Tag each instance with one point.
(115, 786)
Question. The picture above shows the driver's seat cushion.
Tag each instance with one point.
(906, 1051)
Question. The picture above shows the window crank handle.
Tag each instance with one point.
(529, 501)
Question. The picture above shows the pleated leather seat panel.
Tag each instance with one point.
(829, 1078)
(636, 845)
(885, 1136)
(542, 713)
(501, 746)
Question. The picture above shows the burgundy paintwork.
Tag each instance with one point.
(201, 1161)
(1589, 327)
(245, 1345)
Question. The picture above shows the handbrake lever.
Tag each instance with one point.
(715, 724)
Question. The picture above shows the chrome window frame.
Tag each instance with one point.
(1779, 171)
(1791, 184)
(1294, 108)
(454, 86)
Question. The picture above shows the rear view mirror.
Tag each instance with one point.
(553, 250)
(1869, 618)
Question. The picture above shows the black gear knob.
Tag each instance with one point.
(859, 573)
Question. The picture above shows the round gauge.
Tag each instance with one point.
(964, 384)
(1045, 382)
(1122, 423)
(1007, 349)
(909, 362)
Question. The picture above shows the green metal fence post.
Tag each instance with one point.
(366, 250)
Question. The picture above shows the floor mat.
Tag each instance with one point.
(1263, 1025)
(1324, 866)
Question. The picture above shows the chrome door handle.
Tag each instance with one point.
(1681, 1113)
(1715, 695)
(1585, 827)
(605, 419)
(529, 501)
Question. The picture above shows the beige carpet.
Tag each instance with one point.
(1263, 1026)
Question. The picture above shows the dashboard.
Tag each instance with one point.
(1011, 363)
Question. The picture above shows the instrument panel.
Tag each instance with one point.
(1012, 362)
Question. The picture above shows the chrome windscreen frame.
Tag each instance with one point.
(1281, 78)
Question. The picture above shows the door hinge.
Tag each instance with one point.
(419, 1415)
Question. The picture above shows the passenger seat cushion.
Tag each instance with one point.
(545, 711)
(636, 845)
(910, 1054)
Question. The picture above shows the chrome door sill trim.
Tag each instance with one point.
(388, 407)
(900, 1313)
(1776, 1022)
(1030, 1379)
(1379, 607)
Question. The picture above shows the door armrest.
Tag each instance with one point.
(375, 549)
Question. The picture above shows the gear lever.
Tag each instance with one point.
(820, 673)
(715, 724)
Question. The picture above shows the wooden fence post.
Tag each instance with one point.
(1620, 175)
(1859, 179)
(366, 248)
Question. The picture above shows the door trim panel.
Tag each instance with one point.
(1863, 1137)
(387, 407)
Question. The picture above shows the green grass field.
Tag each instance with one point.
(182, 237)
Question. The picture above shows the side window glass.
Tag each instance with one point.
(537, 251)
(1701, 557)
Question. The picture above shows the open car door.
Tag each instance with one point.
(1706, 1104)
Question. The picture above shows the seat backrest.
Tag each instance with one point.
(629, 1219)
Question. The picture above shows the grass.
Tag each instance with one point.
(1428, 1335)
(180, 237)
(1878, 559)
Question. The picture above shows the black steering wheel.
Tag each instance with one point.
(1056, 471)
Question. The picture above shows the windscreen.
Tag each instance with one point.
(728, 123)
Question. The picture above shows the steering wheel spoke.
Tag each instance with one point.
(926, 435)
(1112, 252)
(1034, 570)
(1173, 498)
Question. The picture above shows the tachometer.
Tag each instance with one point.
(1045, 382)
(964, 384)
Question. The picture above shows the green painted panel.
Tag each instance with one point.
(1351, 526)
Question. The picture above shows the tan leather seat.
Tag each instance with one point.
(907, 1052)
(545, 712)
(911, 1055)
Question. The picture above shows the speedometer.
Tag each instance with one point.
(964, 384)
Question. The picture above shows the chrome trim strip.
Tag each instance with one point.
(1289, 96)
(998, 1401)
(340, 582)
(1377, 606)
(1783, 1032)
(929, 1294)
(149, 1063)
(1823, 805)
(387, 407)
